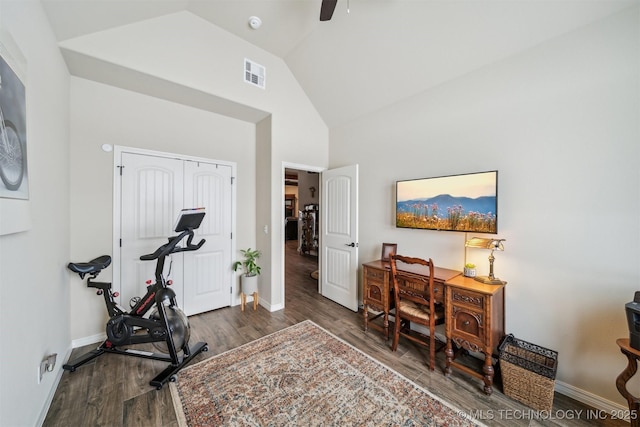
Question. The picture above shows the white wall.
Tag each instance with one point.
(305, 181)
(560, 123)
(34, 284)
(186, 51)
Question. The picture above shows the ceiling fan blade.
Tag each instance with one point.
(327, 8)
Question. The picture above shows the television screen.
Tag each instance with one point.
(467, 202)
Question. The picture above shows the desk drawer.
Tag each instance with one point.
(467, 316)
(469, 298)
(468, 328)
(372, 275)
(438, 288)
(376, 288)
(374, 293)
(468, 322)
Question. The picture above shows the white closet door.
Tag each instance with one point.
(207, 271)
(152, 196)
(153, 190)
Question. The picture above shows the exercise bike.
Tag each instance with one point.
(166, 326)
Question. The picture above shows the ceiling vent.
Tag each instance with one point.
(254, 74)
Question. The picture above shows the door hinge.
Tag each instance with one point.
(231, 236)
(120, 167)
(232, 178)
(120, 242)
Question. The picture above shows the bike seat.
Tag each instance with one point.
(94, 266)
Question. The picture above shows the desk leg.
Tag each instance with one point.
(366, 317)
(621, 384)
(488, 371)
(449, 353)
(386, 325)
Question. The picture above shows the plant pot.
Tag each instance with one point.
(249, 284)
(470, 272)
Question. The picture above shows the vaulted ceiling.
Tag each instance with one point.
(372, 53)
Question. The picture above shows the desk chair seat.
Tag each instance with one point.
(420, 311)
(415, 302)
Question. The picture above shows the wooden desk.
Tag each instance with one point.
(378, 290)
(474, 321)
(621, 382)
(474, 317)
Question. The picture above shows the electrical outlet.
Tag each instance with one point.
(46, 365)
(51, 361)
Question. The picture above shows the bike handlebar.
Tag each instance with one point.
(170, 248)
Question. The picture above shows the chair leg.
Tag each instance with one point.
(432, 350)
(396, 333)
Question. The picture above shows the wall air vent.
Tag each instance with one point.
(254, 74)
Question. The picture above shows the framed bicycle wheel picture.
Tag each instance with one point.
(14, 179)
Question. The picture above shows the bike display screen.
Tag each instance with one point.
(189, 219)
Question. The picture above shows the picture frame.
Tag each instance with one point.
(387, 250)
(464, 203)
(15, 206)
(14, 176)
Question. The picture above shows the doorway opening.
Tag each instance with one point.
(301, 230)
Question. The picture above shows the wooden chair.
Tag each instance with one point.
(415, 302)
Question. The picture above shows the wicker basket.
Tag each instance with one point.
(528, 372)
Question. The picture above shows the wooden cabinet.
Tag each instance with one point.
(309, 230)
(378, 287)
(291, 229)
(474, 322)
(377, 294)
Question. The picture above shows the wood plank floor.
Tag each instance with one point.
(113, 390)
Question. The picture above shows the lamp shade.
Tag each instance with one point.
(481, 243)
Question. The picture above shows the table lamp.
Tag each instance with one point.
(493, 245)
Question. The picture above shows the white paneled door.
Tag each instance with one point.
(153, 191)
(151, 197)
(339, 228)
(208, 270)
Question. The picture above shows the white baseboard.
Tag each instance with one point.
(270, 307)
(88, 340)
(591, 399)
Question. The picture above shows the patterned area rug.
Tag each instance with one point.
(303, 375)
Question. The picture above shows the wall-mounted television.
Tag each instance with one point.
(466, 202)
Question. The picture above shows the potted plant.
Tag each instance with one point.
(470, 270)
(251, 270)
